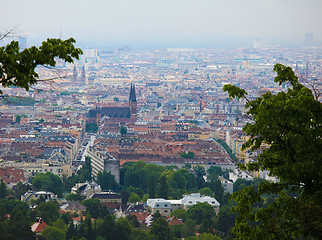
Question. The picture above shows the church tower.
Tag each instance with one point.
(133, 103)
(83, 76)
(75, 74)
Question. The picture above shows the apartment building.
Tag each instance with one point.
(101, 161)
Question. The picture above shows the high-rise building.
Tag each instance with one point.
(101, 161)
(258, 44)
(309, 38)
(91, 53)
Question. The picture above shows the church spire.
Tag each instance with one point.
(132, 97)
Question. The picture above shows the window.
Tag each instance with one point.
(165, 210)
(190, 201)
(157, 205)
(166, 205)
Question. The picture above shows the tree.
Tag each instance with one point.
(18, 227)
(123, 130)
(48, 212)
(189, 228)
(214, 172)
(156, 216)
(123, 229)
(91, 127)
(188, 155)
(75, 197)
(71, 231)
(190, 179)
(3, 189)
(125, 196)
(20, 189)
(89, 227)
(93, 206)
(208, 236)
(152, 181)
(160, 230)
(200, 172)
(49, 182)
(85, 173)
(180, 214)
(204, 214)
(134, 198)
(289, 124)
(219, 191)
(53, 233)
(138, 234)
(206, 192)
(176, 230)
(106, 180)
(225, 220)
(133, 220)
(163, 187)
(107, 228)
(179, 180)
(17, 67)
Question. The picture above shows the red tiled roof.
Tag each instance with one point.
(141, 215)
(175, 221)
(38, 226)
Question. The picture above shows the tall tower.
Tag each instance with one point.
(75, 74)
(83, 76)
(307, 72)
(133, 103)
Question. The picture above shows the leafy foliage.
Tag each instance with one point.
(17, 67)
(106, 180)
(49, 182)
(53, 233)
(3, 189)
(188, 155)
(160, 229)
(289, 124)
(48, 211)
(91, 127)
(204, 214)
(123, 130)
(227, 148)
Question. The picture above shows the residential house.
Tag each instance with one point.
(159, 205)
(227, 185)
(39, 226)
(74, 207)
(194, 198)
(108, 199)
(37, 194)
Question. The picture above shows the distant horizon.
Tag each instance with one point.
(165, 24)
(153, 45)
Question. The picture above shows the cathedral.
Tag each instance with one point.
(116, 114)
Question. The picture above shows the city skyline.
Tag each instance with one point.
(153, 24)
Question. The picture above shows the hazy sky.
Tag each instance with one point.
(166, 23)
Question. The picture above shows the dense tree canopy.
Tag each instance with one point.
(49, 182)
(289, 124)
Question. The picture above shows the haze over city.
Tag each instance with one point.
(157, 24)
(160, 120)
